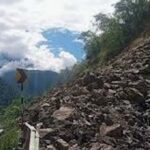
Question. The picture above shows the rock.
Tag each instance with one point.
(99, 97)
(148, 94)
(75, 147)
(135, 95)
(46, 133)
(140, 85)
(145, 69)
(113, 131)
(63, 113)
(120, 83)
(39, 125)
(60, 144)
(95, 146)
(107, 119)
(50, 147)
(100, 82)
(88, 78)
(45, 105)
(105, 147)
(107, 85)
(120, 94)
(93, 85)
(112, 91)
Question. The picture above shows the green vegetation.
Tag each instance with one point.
(7, 93)
(8, 117)
(68, 75)
(115, 32)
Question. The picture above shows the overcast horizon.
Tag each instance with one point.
(43, 35)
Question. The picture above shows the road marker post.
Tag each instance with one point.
(21, 77)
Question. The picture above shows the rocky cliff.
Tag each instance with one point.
(105, 109)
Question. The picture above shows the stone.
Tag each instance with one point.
(120, 83)
(63, 113)
(145, 69)
(50, 147)
(105, 147)
(44, 133)
(112, 91)
(113, 131)
(60, 144)
(135, 95)
(88, 78)
(75, 147)
(139, 85)
(45, 105)
(95, 146)
(107, 85)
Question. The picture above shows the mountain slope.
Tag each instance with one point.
(37, 81)
(103, 109)
(7, 93)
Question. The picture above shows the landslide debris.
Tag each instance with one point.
(106, 109)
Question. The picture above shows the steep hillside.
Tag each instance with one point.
(105, 109)
(7, 93)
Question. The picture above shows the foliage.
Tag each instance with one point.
(8, 117)
(115, 32)
(7, 93)
(92, 44)
(9, 140)
(68, 75)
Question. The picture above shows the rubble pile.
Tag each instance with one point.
(106, 109)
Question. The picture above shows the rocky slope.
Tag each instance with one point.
(107, 109)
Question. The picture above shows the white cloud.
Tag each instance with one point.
(8, 2)
(21, 24)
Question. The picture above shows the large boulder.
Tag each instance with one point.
(63, 113)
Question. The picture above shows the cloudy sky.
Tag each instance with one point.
(42, 34)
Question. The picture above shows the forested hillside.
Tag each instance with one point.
(7, 93)
(37, 81)
(112, 33)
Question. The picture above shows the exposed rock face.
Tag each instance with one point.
(107, 109)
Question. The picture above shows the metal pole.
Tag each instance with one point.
(22, 103)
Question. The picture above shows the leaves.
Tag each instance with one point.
(116, 31)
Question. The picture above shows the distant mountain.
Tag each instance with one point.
(37, 81)
(7, 93)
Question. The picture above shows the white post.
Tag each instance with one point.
(34, 138)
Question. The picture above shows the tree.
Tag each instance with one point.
(116, 31)
(92, 44)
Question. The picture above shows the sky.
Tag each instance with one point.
(43, 34)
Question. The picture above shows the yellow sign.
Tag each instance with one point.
(21, 76)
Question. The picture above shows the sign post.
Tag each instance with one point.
(21, 78)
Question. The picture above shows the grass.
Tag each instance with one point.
(8, 117)
(9, 139)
